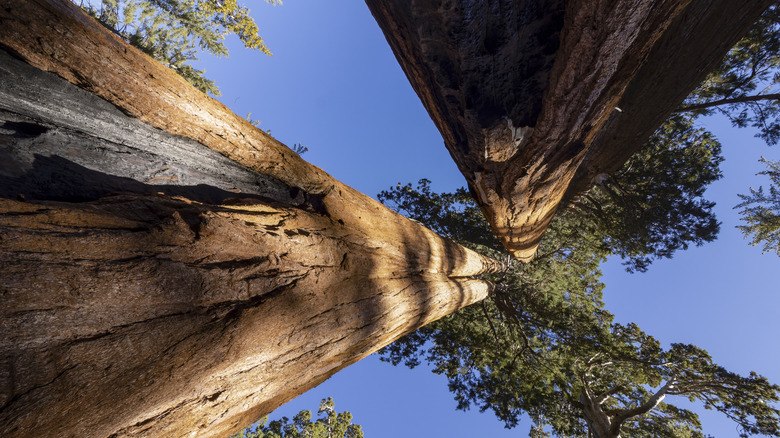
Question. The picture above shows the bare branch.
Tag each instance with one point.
(647, 406)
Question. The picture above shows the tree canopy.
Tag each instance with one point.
(654, 205)
(544, 345)
(174, 31)
(331, 424)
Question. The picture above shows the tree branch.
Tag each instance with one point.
(493, 329)
(647, 406)
(714, 103)
(608, 393)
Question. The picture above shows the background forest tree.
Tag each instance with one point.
(330, 424)
(761, 210)
(175, 31)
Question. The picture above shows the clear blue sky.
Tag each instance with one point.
(334, 86)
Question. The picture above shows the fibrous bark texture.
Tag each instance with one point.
(168, 269)
(535, 98)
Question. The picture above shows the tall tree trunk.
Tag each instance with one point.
(600, 425)
(168, 269)
(535, 98)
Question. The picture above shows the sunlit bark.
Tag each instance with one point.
(168, 269)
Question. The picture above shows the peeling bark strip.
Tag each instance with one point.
(525, 92)
(56, 36)
(153, 287)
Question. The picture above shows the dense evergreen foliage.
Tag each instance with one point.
(331, 424)
(174, 31)
(761, 210)
(543, 344)
(654, 205)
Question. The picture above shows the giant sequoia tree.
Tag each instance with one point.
(170, 270)
(536, 100)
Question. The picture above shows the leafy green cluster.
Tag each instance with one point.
(630, 375)
(330, 425)
(761, 210)
(174, 31)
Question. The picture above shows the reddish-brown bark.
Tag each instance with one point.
(153, 287)
(536, 98)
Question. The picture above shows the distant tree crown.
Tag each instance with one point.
(174, 31)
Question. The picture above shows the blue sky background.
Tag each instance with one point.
(334, 86)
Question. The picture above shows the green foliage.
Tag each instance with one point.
(330, 425)
(543, 344)
(641, 212)
(174, 31)
(761, 210)
(745, 86)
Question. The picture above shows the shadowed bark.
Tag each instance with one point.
(534, 99)
(168, 269)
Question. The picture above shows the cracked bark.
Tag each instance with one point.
(526, 93)
(168, 269)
